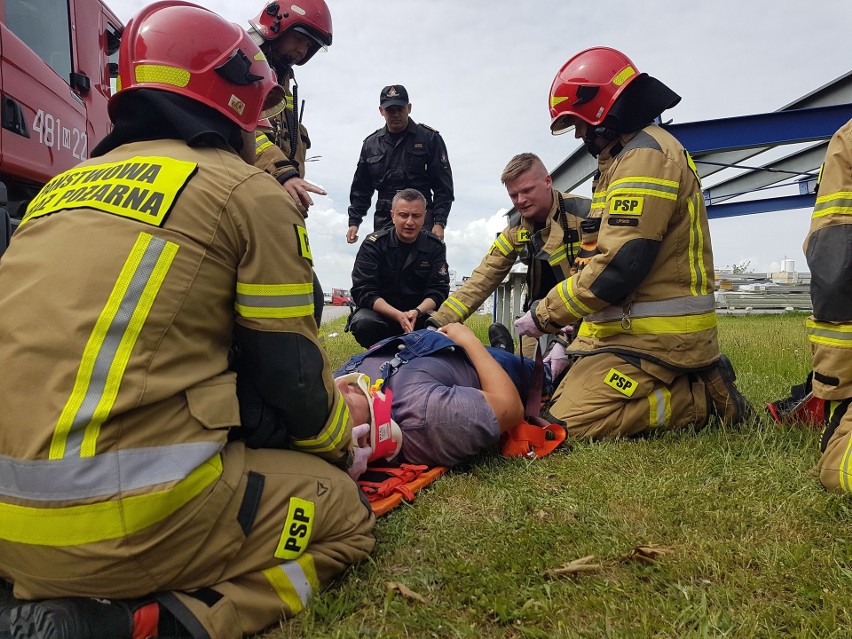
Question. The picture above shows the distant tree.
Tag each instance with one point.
(743, 266)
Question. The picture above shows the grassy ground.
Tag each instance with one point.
(716, 533)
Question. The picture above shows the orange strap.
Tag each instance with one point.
(527, 440)
(401, 483)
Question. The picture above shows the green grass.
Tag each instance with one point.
(753, 547)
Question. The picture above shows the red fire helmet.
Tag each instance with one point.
(182, 48)
(587, 86)
(309, 17)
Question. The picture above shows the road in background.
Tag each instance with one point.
(333, 312)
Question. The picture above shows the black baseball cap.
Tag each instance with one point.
(393, 95)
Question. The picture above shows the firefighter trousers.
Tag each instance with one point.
(277, 528)
(604, 396)
(835, 464)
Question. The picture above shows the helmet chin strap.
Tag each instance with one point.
(592, 136)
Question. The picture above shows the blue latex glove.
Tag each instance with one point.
(525, 325)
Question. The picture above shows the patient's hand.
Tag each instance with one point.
(460, 334)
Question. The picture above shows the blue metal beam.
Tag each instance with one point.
(733, 209)
(766, 129)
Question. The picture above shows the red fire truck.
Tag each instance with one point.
(57, 60)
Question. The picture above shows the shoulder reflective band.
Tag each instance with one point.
(142, 189)
(643, 185)
(261, 143)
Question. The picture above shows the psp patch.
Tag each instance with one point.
(626, 205)
(303, 242)
(523, 235)
(297, 529)
(620, 382)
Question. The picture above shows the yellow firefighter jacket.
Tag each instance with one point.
(828, 249)
(118, 300)
(554, 246)
(649, 290)
(281, 151)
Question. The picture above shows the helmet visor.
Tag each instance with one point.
(275, 103)
(563, 124)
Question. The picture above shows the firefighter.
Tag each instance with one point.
(647, 351)
(288, 36)
(830, 327)
(544, 232)
(120, 479)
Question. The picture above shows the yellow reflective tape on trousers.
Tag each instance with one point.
(455, 305)
(651, 326)
(294, 582)
(644, 185)
(845, 461)
(275, 301)
(261, 143)
(143, 188)
(78, 525)
(698, 284)
(839, 203)
(837, 335)
(569, 298)
(331, 435)
(660, 407)
(109, 346)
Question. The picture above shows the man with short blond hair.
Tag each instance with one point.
(544, 232)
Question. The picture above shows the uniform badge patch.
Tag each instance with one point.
(303, 243)
(620, 382)
(442, 270)
(623, 221)
(297, 529)
(626, 205)
(523, 235)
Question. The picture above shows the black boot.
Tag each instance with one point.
(72, 618)
(85, 618)
(724, 398)
(500, 337)
(7, 602)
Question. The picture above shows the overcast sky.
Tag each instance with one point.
(479, 71)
